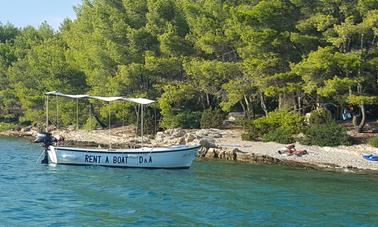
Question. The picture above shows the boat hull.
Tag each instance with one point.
(169, 158)
(370, 157)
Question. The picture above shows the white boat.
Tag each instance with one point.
(180, 157)
(173, 157)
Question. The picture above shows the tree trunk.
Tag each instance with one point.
(354, 121)
(360, 126)
(262, 102)
(202, 102)
(248, 106)
(243, 107)
(286, 101)
(136, 109)
(208, 99)
(96, 117)
(253, 111)
(299, 100)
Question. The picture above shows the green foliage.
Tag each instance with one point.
(275, 125)
(8, 32)
(212, 118)
(280, 135)
(319, 116)
(251, 132)
(44, 68)
(6, 126)
(90, 123)
(188, 119)
(279, 118)
(209, 76)
(174, 107)
(184, 119)
(374, 141)
(358, 99)
(336, 86)
(250, 56)
(329, 134)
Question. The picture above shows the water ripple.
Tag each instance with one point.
(210, 193)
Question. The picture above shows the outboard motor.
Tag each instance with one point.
(44, 137)
(47, 139)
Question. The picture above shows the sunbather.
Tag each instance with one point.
(290, 150)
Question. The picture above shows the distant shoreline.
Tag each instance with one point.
(227, 145)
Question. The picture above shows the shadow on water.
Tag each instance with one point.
(210, 193)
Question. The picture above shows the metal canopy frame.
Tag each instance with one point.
(141, 101)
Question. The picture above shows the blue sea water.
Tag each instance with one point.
(210, 193)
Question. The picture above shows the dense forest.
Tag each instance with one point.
(196, 58)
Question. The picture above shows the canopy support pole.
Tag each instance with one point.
(141, 123)
(137, 124)
(110, 144)
(124, 114)
(77, 114)
(47, 113)
(90, 116)
(155, 120)
(57, 112)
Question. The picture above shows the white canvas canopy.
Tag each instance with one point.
(54, 93)
(107, 99)
(142, 101)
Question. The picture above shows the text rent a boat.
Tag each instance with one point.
(173, 157)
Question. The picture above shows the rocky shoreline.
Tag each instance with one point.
(226, 145)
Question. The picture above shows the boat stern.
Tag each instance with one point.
(51, 151)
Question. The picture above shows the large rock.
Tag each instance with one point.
(136, 140)
(205, 137)
(210, 153)
(214, 133)
(207, 142)
(177, 132)
(159, 137)
(25, 129)
(181, 140)
(189, 137)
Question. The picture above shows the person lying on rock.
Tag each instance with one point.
(290, 150)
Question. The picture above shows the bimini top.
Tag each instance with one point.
(142, 101)
(55, 93)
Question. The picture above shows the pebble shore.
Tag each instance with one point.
(227, 145)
